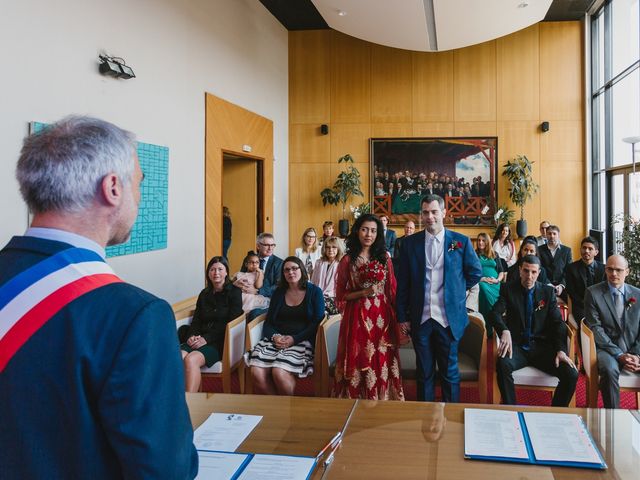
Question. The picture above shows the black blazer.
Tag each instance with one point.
(509, 313)
(390, 240)
(576, 277)
(513, 273)
(555, 266)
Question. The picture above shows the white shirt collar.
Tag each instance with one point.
(65, 237)
(439, 236)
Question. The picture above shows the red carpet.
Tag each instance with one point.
(468, 395)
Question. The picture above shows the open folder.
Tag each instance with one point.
(557, 439)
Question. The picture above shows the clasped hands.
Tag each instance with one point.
(629, 362)
(505, 347)
(196, 341)
(373, 290)
(245, 286)
(282, 341)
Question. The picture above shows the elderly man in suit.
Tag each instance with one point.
(531, 330)
(271, 265)
(542, 238)
(437, 266)
(612, 311)
(582, 274)
(555, 257)
(91, 381)
(409, 229)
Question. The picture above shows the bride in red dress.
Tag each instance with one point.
(367, 363)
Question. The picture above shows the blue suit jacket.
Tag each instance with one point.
(462, 271)
(271, 276)
(98, 391)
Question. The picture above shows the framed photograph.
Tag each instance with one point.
(463, 171)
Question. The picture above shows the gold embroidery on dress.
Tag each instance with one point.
(380, 321)
(355, 380)
(368, 324)
(376, 302)
(382, 348)
(395, 371)
(370, 349)
(384, 373)
(371, 379)
(367, 304)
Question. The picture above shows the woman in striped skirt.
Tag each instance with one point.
(285, 352)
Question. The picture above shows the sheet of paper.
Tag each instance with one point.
(224, 431)
(277, 467)
(219, 465)
(560, 437)
(493, 433)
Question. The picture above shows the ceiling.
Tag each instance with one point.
(423, 25)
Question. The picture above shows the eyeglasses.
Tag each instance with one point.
(310, 236)
(619, 271)
(267, 245)
(291, 269)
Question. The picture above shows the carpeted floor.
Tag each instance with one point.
(468, 395)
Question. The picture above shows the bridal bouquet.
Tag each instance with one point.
(372, 273)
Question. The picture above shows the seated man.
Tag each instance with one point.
(542, 238)
(612, 311)
(583, 273)
(555, 258)
(271, 265)
(531, 333)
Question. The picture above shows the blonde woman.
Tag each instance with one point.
(308, 250)
(324, 271)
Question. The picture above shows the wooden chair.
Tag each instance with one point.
(531, 377)
(472, 358)
(232, 351)
(252, 336)
(628, 381)
(325, 354)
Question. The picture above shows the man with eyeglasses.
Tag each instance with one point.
(613, 313)
(271, 265)
(542, 238)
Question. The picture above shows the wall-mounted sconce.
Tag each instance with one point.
(324, 129)
(115, 67)
(544, 126)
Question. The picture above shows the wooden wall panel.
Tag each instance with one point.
(350, 79)
(474, 70)
(307, 144)
(228, 128)
(432, 86)
(309, 74)
(305, 204)
(518, 79)
(561, 71)
(390, 85)
(504, 87)
(352, 139)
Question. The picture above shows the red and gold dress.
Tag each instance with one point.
(367, 362)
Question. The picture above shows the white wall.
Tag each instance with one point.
(179, 49)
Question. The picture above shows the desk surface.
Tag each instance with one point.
(406, 440)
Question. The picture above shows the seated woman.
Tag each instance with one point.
(324, 272)
(503, 246)
(492, 275)
(250, 275)
(529, 246)
(308, 251)
(218, 304)
(286, 350)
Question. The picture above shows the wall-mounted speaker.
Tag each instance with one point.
(544, 126)
(324, 129)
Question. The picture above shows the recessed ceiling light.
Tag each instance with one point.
(342, 13)
(523, 4)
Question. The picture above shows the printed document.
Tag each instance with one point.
(278, 467)
(219, 465)
(224, 431)
(493, 433)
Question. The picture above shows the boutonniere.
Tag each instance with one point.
(454, 246)
(541, 305)
(631, 302)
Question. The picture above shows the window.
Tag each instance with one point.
(615, 111)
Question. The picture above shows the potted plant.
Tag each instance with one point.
(628, 242)
(519, 173)
(346, 186)
(503, 215)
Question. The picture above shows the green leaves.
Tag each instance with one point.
(347, 184)
(519, 173)
(628, 241)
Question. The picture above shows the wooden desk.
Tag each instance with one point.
(407, 440)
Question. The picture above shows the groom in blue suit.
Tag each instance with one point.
(436, 268)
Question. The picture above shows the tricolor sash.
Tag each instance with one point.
(35, 295)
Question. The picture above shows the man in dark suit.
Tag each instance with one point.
(271, 265)
(91, 380)
(389, 235)
(583, 273)
(531, 330)
(555, 257)
(436, 268)
(612, 311)
(409, 229)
